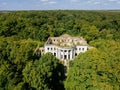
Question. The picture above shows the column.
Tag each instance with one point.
(71, 54)
(59, 53)
(63, 54)
(67, 54)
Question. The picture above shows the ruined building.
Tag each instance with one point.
(65, 47)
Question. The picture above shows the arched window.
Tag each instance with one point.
(83, 49)
(54, 54)
(79, 49)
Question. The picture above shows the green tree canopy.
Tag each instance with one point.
(45, 73)
(97, 69)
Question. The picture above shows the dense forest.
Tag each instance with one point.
(21, 32)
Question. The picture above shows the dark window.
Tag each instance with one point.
(68, 56)
(47, 48)
(65, 56)
(75, 48)
(79, 48)
(54, 54)
(83, 49)
(75, 54)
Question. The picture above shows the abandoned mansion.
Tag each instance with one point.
(65, 47)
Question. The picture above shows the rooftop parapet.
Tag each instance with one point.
(66, 41)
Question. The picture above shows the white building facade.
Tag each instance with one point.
(66, 47)
(66, 53)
